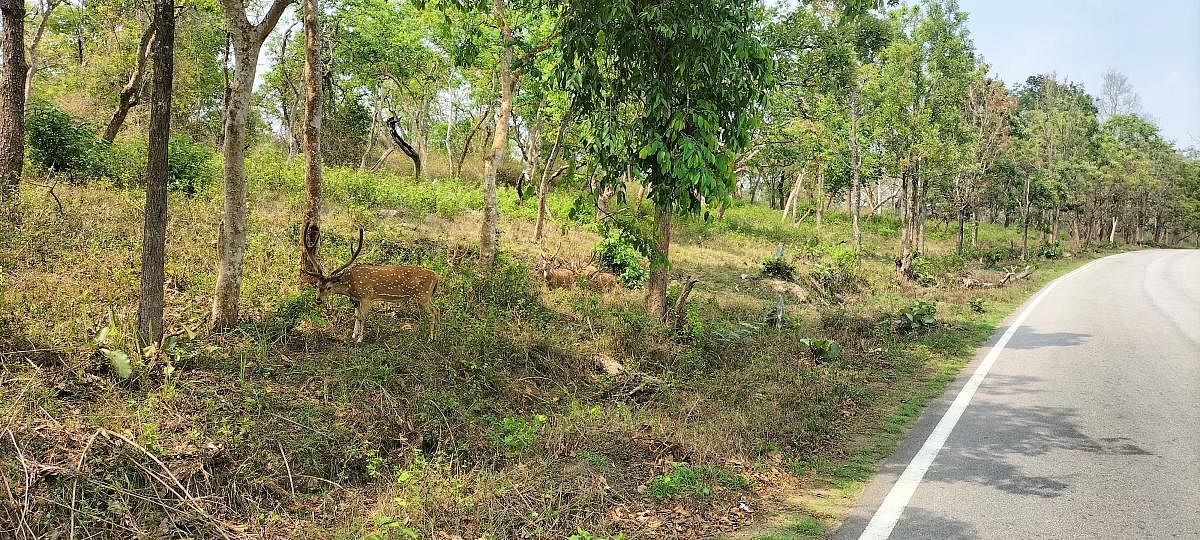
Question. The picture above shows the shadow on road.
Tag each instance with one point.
(982, 455)
(1027, 338)
(929, 522)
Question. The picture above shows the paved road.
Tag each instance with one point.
(1085, 425)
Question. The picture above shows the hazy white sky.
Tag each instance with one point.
(1156, 43)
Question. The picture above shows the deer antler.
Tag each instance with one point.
(309, 244)
(354, 251)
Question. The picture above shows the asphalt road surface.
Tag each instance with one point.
(1079, 419)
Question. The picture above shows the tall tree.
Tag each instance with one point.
(311, 227)
(988, 113)
(489, 233)
(672, 89)
(1117, 96)
(12, 97)
(246, 40)
(131, 93)
(154, 231)
(44, 11)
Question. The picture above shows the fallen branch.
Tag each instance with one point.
(78, 467)
(179, 489)
(50, 188)
(22, 523)
(1012, 275)
(624, 378)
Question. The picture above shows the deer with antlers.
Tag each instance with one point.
(369, 283)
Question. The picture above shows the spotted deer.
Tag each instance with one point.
(555, 276)
(370, 283)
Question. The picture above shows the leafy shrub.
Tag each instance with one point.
(189, 166)
(58, 144)
(838, 269)
(929, 270)
(919, 315)
(618, 254)
(732, 333)
(778, 267)
(1050, 250)
(517, 434)
(992, 255)
(823, 350)
(977, 305)
(923, 271)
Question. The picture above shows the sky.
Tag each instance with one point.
(1155, 43)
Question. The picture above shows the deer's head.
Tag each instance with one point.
(326, 282)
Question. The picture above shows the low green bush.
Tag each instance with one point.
(618, 254)
(58, 144)
(1050, 250)
(191, 166)
(823, 350)
(992, 255)
(918, 316)
(778, 267)
(518, 434)
(837, 270)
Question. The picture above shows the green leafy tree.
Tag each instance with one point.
(672, 91)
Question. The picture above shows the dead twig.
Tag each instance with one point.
(182, 491)
(22, 523)
(291, 484)
(50, 188)
(75, 481)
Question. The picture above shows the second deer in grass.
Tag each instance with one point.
(369, 283)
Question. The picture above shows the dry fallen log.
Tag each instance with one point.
(1013, 275)
(626, 383)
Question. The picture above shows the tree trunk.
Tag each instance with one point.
(489, 233)
(375, 112)
(819, 197)
(904, 262)
(793, 198)
(975, 228)
(855, 169)
(962, 228)
(32, 67)
(231, 242)
(544, 185)
(154, 231)
(531, 152)
(1075, 231)
(919, 206)
(247, 40)
(656, 288)
(131, 94)
(462, 156)
(422, 140)
(1025, 221)
(408, 149)
(449, 151)
(1112, 233)
(12, 97)
(310, 261)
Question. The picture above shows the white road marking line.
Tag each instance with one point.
(889, 511)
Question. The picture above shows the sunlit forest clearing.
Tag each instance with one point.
(695, 265)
